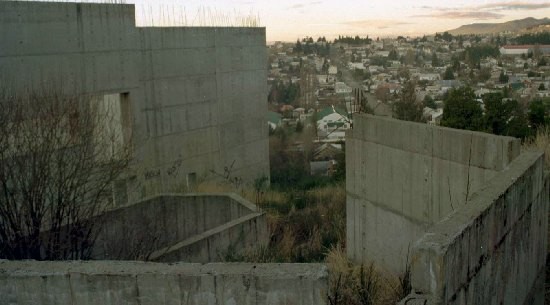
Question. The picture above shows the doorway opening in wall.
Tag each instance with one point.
(191, 181)
(115, 115)
(114, 111)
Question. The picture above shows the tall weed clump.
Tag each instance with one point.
(540, 141)
(359, 284)
(303, 224)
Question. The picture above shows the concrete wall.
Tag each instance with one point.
(402, 177)
(190, 228)
(493, 250)
(108, 282)
(198, 96)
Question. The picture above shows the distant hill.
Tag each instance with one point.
(493, 28)
(536, 29)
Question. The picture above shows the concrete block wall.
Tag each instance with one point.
(198, 96)
(493, 250)
(190, 228)
(108, 282)
(402, 177)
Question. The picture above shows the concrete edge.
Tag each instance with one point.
(460, 131)
(30, 268)
(428, 255)
(452, 226)
(204, 235)
(235, 197)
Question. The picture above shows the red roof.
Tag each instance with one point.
(525, 46)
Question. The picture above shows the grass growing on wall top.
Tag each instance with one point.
(540, 142)
(162, 15)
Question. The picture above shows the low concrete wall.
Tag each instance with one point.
(403, 177)
(196, 227)
(108, 282)
(492, 250)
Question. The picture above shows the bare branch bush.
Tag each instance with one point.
(59, 155)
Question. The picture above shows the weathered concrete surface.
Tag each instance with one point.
(108, 282)
(198, 96)
(492, 250)
(232, 238)
(191, 228)
(403, 177)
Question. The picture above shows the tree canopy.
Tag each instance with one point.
(504, 116)
(537, 113)
(461, 110)
(407, 107)
(537, 38)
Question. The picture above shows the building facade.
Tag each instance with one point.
(184, 91)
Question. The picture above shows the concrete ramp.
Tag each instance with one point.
(198, 228)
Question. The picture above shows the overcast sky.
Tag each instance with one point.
(288, 20)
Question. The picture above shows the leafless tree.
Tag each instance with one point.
(59, 155)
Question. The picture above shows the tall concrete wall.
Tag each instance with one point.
(492, 250)
(403, 177)
(191, 228)
(197, 95)
(29, 282)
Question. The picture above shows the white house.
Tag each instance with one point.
(433, 115)
(324, 79)
(429, 76)
(342, 88)
(331, 120)
(382, 53)
(514, 50)
(356, 65)
(332, 70)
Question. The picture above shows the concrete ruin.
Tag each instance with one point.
(195, 228)
(192, 104)
(185, 228)
(467, 210)
(193, 99)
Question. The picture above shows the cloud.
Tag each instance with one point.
(478, 15)
(375, 23)
(515, 5)
(303, 5)
(480, 12)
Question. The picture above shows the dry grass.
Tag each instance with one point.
(540, 142)
(303, 225)
(359, 284)
(174, 15)
(309, 226)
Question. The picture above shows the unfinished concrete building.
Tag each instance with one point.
(193, 99)
(466, 210)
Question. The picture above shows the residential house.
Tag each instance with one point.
(274, 120)
(356, 66)
(433, 116)
(332, 123)
(429, 76)
(342, 88)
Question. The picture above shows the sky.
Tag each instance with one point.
(287, 20)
